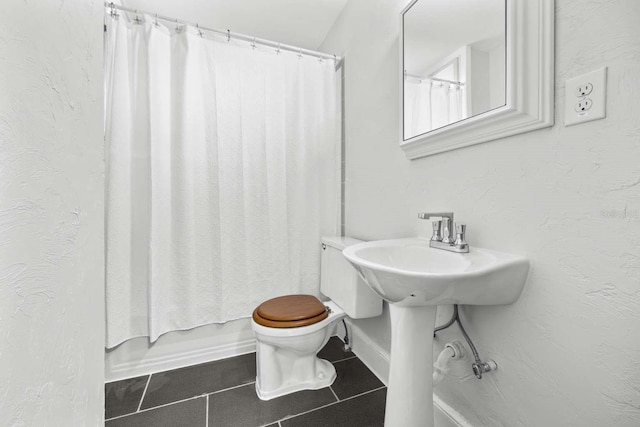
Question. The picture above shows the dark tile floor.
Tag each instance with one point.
(222, 393)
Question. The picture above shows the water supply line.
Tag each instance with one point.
(347, 344)
(479, 367)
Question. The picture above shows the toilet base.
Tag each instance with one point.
(325, 376)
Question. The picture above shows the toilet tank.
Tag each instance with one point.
(340, 282)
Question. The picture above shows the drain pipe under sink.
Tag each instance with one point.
(452, 350)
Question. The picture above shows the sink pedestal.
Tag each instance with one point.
(410, 390)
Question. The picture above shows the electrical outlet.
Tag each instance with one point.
(584, 89)
(585, 97)
(584, 104)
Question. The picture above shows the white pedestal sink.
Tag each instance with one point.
(414, 279)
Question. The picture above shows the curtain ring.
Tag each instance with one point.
(300, 53)
(199, 31)
(113, 12)
(278, 49)
(137, 19)
(253, 43)
(155, 21)
(228, 35)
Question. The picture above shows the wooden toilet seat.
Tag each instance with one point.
(290, 311)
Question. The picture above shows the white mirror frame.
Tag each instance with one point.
(529, 90)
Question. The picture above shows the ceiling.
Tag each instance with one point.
(433, 29)
(300, 23)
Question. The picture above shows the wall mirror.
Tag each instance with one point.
(473, 71)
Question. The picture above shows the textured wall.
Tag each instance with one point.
(569, 198)
(51, 213)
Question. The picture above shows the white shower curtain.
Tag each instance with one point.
(222, 175)
(430, 105)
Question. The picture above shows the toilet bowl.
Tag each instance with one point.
(286, 358)
(290, 330)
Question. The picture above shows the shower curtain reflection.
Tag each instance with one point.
(430, 105)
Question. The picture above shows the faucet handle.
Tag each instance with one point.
(442, 223)
(437, 236)
(435, 215)
(446, 230)
(427, 216)
(461, 231)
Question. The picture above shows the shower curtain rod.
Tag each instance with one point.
(230, 35)
(435, 79)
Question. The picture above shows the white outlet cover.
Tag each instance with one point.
(574, 115)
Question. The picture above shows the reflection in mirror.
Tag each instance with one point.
(454, 62)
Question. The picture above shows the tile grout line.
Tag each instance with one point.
(206, 420)
(331, 404)
(362, 394)
(156, 407)
(179, 401)
(334, 394)
(230, 388)
(144, 392)
(346, 358)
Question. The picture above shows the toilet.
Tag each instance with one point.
(290, 330)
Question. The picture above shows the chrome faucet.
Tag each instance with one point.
(442, 237)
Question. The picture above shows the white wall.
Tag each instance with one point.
(487, 81)
(51, 214)
(569, 198)
(497, 81)
(479, 81)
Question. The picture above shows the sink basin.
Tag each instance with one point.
(414, 278)
(408, 272)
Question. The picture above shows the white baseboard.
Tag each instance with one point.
(453, 417)
(152, 365)
(377, 360)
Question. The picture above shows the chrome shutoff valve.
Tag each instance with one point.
(480, 368)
